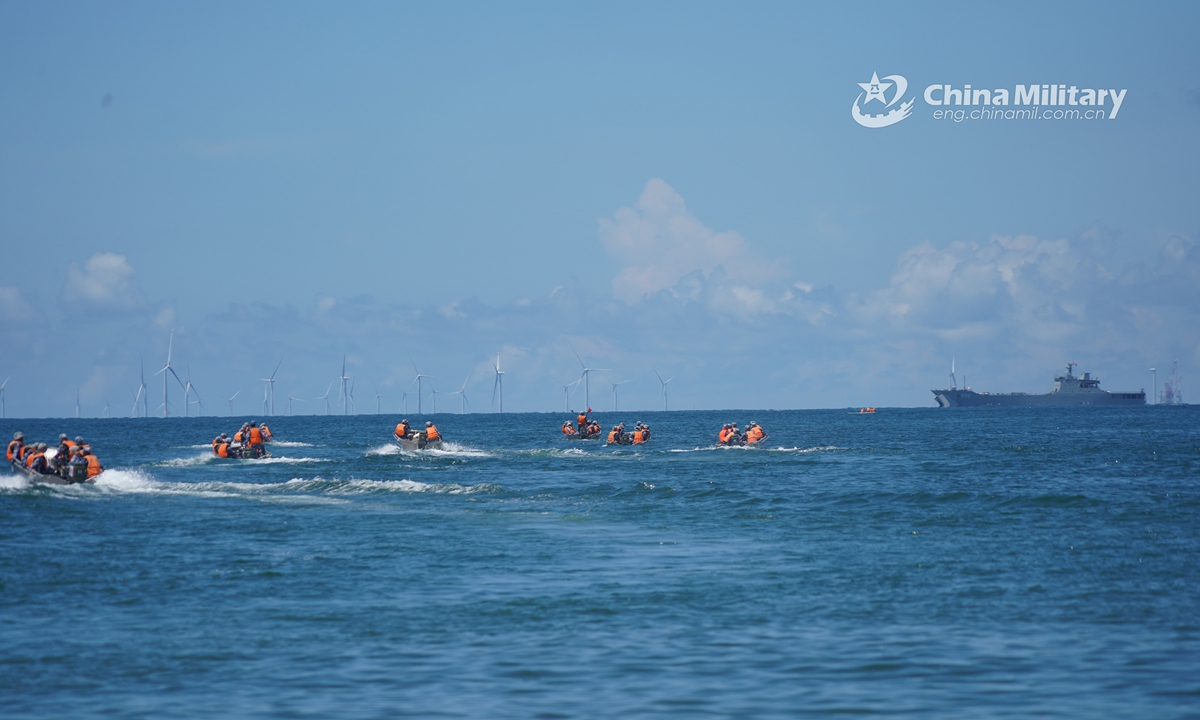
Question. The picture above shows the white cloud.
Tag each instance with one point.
(659, 242)
(106, 283)
(13, 308)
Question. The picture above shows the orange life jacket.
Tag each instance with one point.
(223, 450)
(723, 435)
(266, 433)
(614, 436)
(582, 419)
(237, 436)
(215, 442)
(567, 429)
(639, 437)
(14, 450)
(33, 456)
(255, 436)
(25, 450)
(431, 433)
(754, 434)
(402, 429)
(94, 466)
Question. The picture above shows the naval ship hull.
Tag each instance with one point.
(1069, 390)
(970, 398)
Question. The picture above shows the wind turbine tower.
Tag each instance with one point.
(567, 392)
(462, 393)
(2, 386)
(343, 395)
(417, 382)
(663, 390)
(141, 395)
(325, 397)
(587, 371)
(498, 385)
(168, 370)
(230, 401)
(616, 385)
(271, 384)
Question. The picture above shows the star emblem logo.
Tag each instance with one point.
(874, 89)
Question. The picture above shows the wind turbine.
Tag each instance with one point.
(2, 386)
(663, 391)
(615, 386)
(106, 406)
(953, 382)
(378, 397)
(343, 396)
(567, 394)
(167, 369)
(587, 371)
(404, 402)
(77, 402)
(498, 385)
(325, 397)
(289, 405)
(230, 401)
(433, 394)
(417, 382)
(350, 397)
(187, 392)
(141, 392)
(271, 384)
(462, 393)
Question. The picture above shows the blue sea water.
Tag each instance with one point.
(990, 562)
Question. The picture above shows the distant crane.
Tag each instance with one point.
(1171, 394)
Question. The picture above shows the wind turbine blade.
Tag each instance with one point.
(176, 376)
(581, 363)
(276, 369)
(658, 376)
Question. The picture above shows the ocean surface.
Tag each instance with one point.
(976, 562)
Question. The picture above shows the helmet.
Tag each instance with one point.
(18, 435)
(428, 423)
(62, 436)
(79, 440)
(41, 446)
(253, 424)
(404, 420)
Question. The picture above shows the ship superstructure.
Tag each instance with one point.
(1069, 389)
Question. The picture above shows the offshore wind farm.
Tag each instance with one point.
(766, 230)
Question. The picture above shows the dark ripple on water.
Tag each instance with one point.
(999, 562)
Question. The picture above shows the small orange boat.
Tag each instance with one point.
(866, 410)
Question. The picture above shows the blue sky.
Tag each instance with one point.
(676, 186)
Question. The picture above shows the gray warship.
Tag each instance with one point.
(1068, 390)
